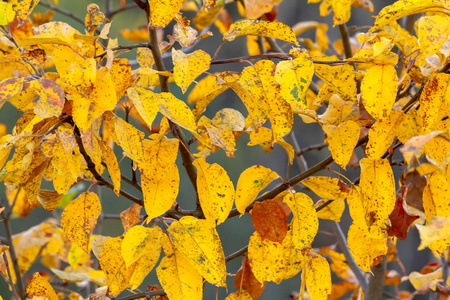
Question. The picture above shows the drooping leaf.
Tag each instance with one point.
(113, 167)
(260, 28)
(199, 242)
(341, 9)
(215, 191)
(242, 295)
(342, 140)
(318, 276)
(250, 183)
(245, 281)
(305, 223)
(40, 287)
(401, 219)
(80, 217)
(187, 67)
(379, 90)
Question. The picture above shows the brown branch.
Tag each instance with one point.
(146, 295)
(376, 282)
(236, 254)
(129, 47)
(10, 281)
(310, 148)
(12, 253)
(345, 41)
(121, 9)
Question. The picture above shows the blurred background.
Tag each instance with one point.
(235, 232)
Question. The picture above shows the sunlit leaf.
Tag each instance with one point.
(10, 87)
(162, 12)
(438, 228)
(260, 28)
(342, 140)
(187, 67)
(199, 242)
(40, 287)
(250, 183)
(80, 217)
(318, 276)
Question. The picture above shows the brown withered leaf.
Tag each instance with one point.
(130, 216)
(401, 219)
(414, 184)
(269, 220)
(246, 280)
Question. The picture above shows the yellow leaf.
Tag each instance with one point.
(403, 8)
(382, 134)
(436, 196)
(437, 229)
(412, 146)
(240, 295)
(215, 191)
(364, 253)
(80, 217)
(339, 111)
(342, 140)
(178, 277)
(111, 262)
(40, 287)
(272, 261)
(332, 211)
(341, 10)
(305, 223)
(433, 105)
(379, 90)
(49, 199)
(260, 28)
(113, 167)
(120, 75)
(199, 242)
(223, 138)
(162, 12)
(160, 192)
(252, 181)
(51, 100)
(340, 78)
(139, 241)
(318, 276)
(126, 136)
(177, 111)
(326, 187)
(146, 103)
(418, 280)
(294, 77)
(23, 9)
(10, 87)
(187, 67)
(356, 206)
(378, 189)
(205, 91)
(432, 32)
(205, 17)
(7, 13)
(438, 147)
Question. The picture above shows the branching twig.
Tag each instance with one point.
(236, 254)
(13, 288)
(12, 253)
(62, 11)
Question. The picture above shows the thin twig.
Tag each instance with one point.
(236, 254)
(310, 148)
(146, 295)
(62, 11)
(342, 242)
(12, 253)
(129, 47)
(121, 9)
(13, 288)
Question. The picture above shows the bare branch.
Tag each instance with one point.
(62, 11)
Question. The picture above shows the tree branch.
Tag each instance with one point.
(129, 47)
(147, 295)
(236, 254)
(121, 9)
(376, 283)
(62, 11)
(345, 40)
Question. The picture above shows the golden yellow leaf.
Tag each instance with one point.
(438, 147)
(326, 187)
(162, 12)
(318, 276)
(223, 138)
(260, 28)
(146, 103)
(375, 245)
(40, 287)
(272, 261)
(178, 277)
(294, 77)
(264, 138)
(7, 13)
(305, 223)
(382, 134)
(215, 191)
(199, 242)
(160, 192)
(437, 229)
(139, 241)
(187, 67)
(177, 111)
(112, 263)
(340, 78)
(77, 257)
(332, 211)
(339, 111)
(80, 217)
(205, 17)
(341, 9)
(379, 90)
(240, 295)
(9, 88)
(205, 91)
(378, 189)
(51, 98)
(436, 196)
(432, 32)
(126, 136)
(433, 105)
(403, 8)
(342, 140)
(120, 75)
(252, 181)
(412, 147)
(49, 199)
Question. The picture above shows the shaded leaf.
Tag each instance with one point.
(246, 282)
(437, 229)
(401, 219)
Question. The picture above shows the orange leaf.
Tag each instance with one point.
(269, 220)
(245, 280)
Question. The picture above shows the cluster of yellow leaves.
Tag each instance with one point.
(68, 127)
